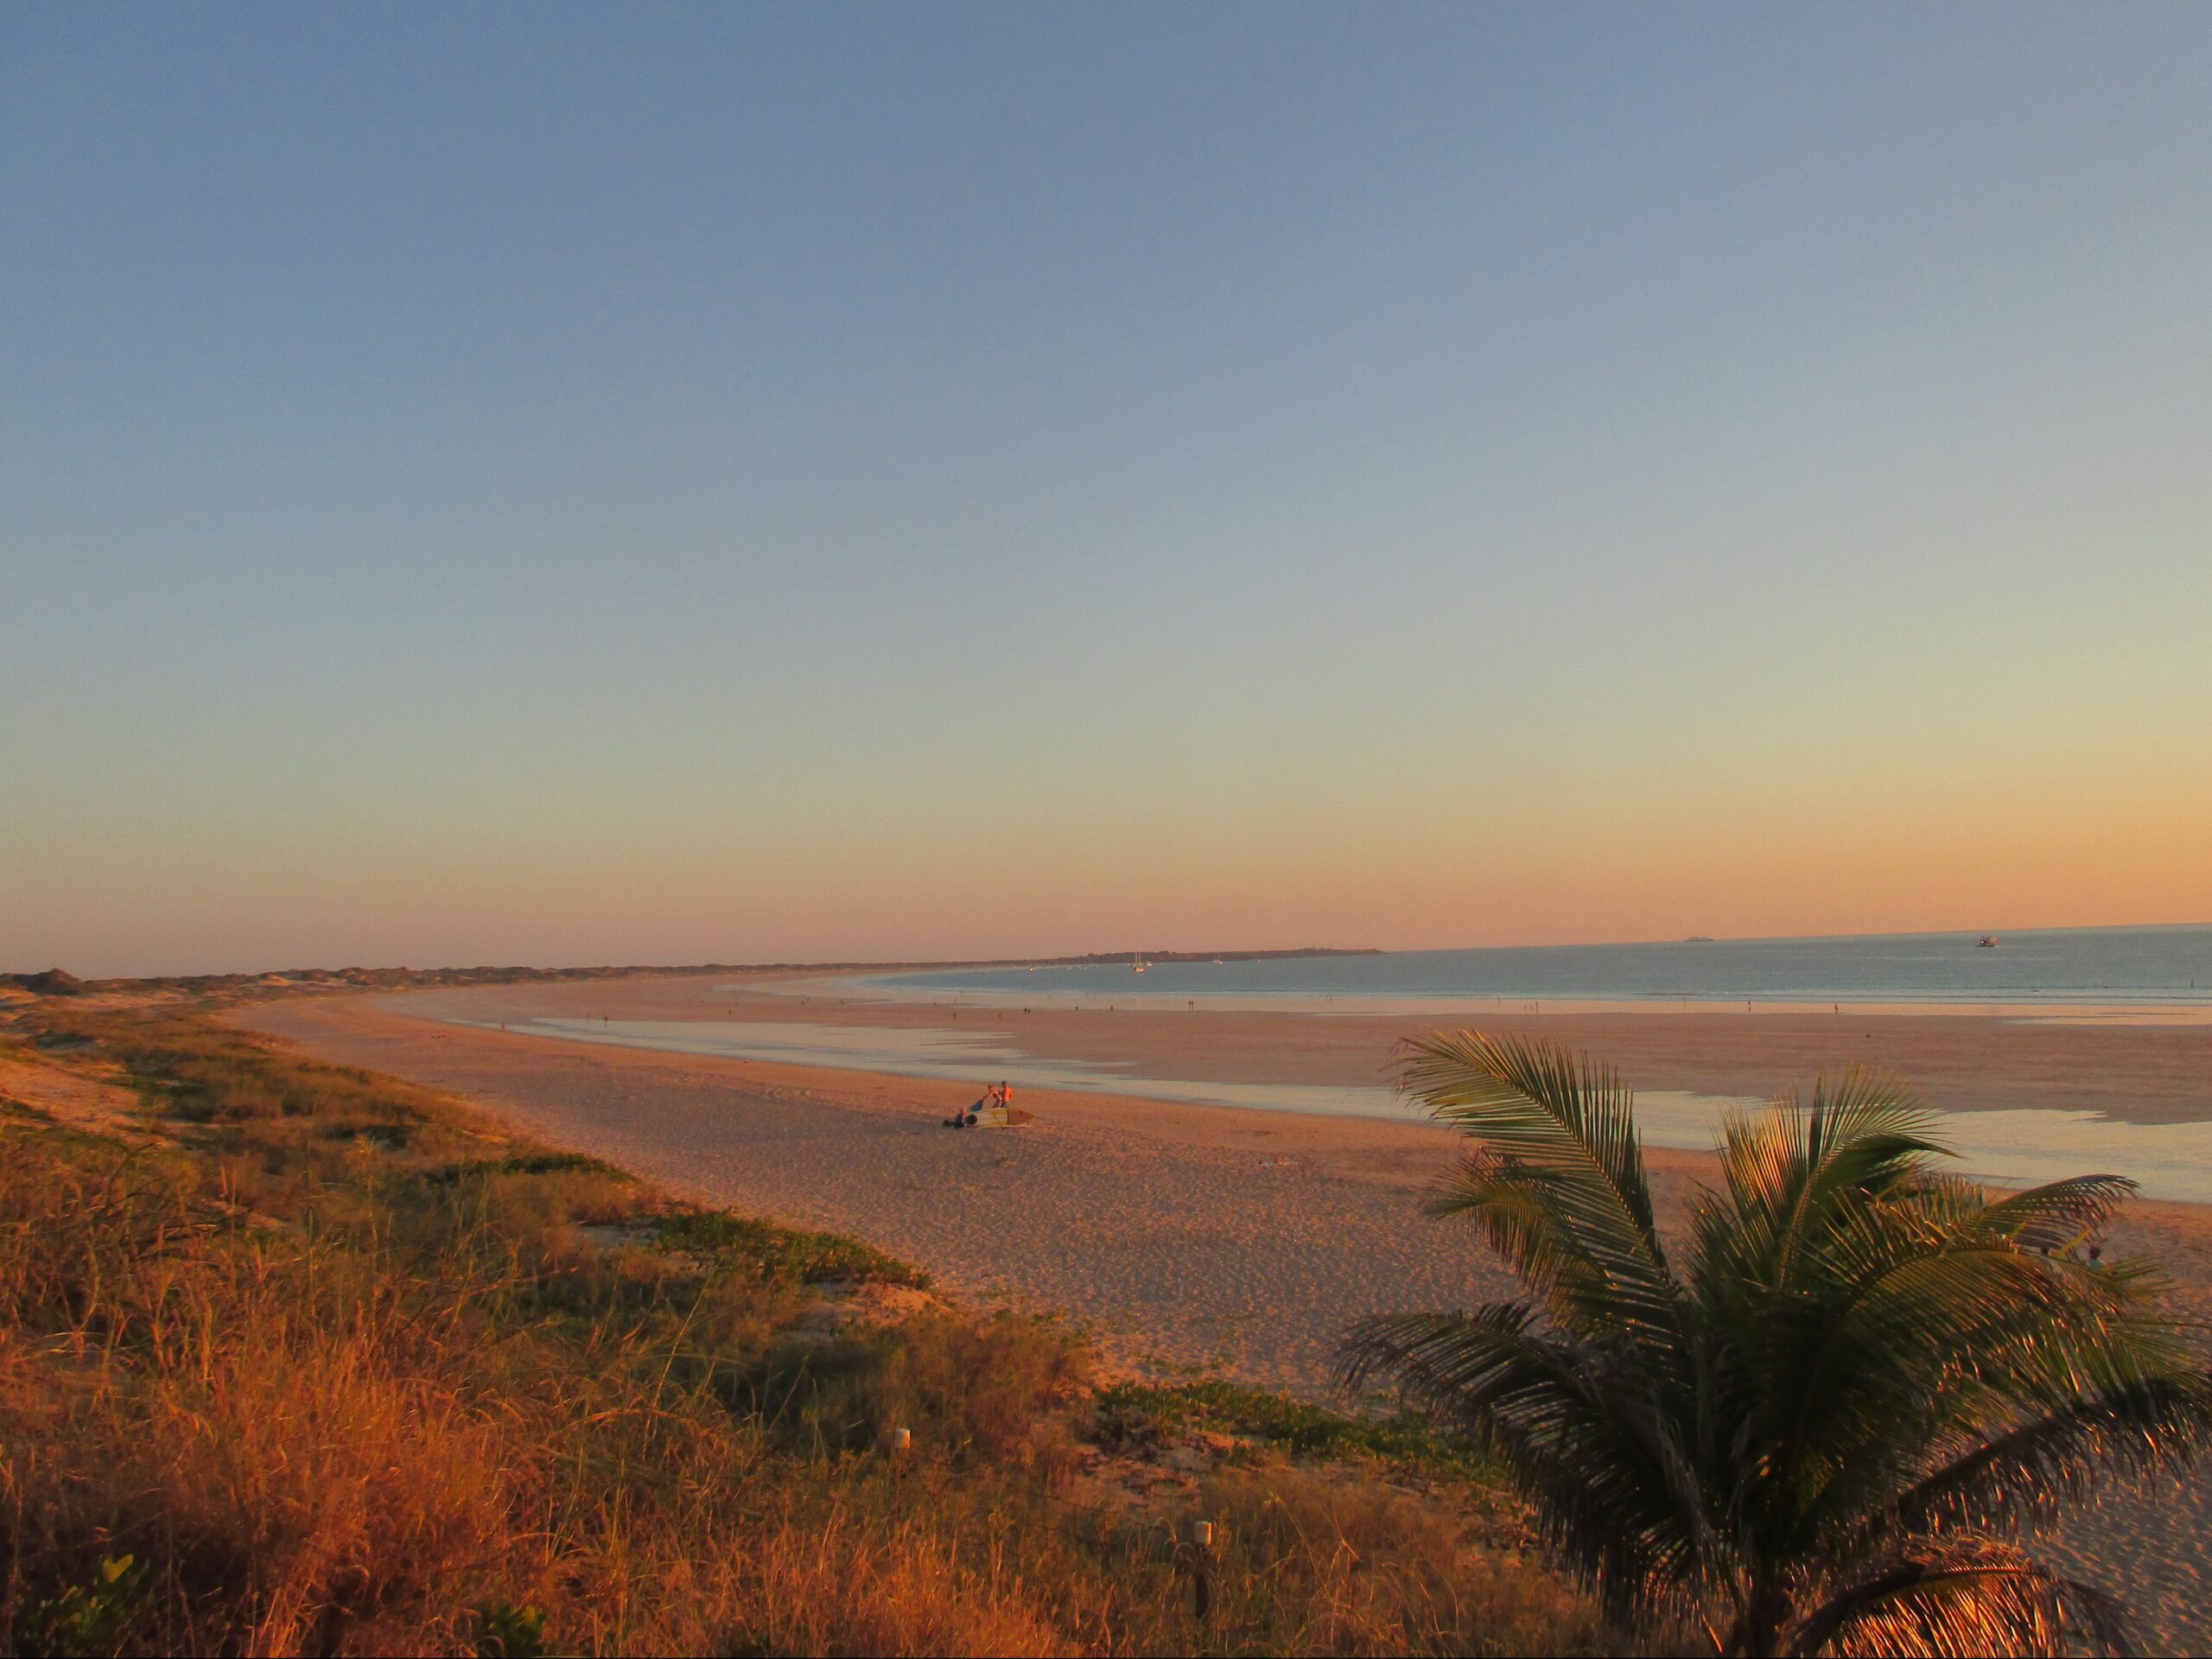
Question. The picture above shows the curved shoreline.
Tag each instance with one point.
(1960, 1059)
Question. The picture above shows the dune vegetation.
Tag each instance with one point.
(295, 1358)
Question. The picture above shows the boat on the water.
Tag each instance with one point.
(1987, 942)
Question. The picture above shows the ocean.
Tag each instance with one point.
(2061, 967)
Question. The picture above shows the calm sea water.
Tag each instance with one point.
(2155, 965)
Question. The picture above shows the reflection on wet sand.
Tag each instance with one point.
(2015, 1147)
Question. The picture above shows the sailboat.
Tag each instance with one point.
(1136, 961)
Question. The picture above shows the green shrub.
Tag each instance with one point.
(786, 1254)
(1134, 1412)
(85, 1619)
(536, 1163)
(504, 1630)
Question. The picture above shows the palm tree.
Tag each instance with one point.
(1820, 1432)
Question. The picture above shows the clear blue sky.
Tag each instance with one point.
(573, 484)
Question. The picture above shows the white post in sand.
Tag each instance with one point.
(1198, 1536)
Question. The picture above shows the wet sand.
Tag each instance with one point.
(1959, 1061)
(1193, 1235)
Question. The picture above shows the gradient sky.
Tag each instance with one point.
(558, 485)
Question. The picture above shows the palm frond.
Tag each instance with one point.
(1537, 1103)
(1787, 1167)
(1866, 1107)
(1614, 1492)
(1954, 1340)
(1538, 1219)
(1557, 1180)
(1921, 1345)
(2059, 1214)
(2155, 1423)
(1968, 1596)
(1442, 1361)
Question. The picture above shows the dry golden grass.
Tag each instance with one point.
(341, 1370)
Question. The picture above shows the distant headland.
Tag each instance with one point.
(54, 982)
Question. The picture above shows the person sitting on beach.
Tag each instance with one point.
(994, 1095)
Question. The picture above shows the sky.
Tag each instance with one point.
(564, 484)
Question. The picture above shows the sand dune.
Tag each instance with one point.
(1192, 1235)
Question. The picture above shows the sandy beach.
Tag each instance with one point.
(1960, 1060)
(1195, 1236)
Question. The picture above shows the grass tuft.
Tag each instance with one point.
(782, 1254)
(1143, 1412)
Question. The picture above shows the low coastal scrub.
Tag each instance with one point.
(1140, 1413)
(782, 1253)
(295, 1358)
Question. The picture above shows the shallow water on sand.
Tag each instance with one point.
(2169, 1160)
